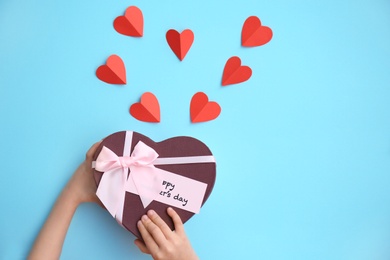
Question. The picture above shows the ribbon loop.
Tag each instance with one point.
(143, 154)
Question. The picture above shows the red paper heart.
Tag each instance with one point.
(254, 34)
(148, 110)
(114, 72)
(131, 24)
(180, 43)
(182, 146)
(202, 110)
(234, 73)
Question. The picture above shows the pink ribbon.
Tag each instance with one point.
(115, 179)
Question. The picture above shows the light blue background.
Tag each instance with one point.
(302, 148)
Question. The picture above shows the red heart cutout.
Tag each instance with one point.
(131, 24)
(202, 110)
(234, 73)
(182, 146)
(254, 34)
(148, 110)
(180, 43)
(114, 72)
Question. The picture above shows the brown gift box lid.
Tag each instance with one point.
(181, 146)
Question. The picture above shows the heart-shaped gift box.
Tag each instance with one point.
(134, 174)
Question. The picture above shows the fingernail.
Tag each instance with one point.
(144, 218)
(151, 212)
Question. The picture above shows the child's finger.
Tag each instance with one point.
(147, 237)
(160, 223)
(141, 245)
(92, 151)
(179, 227)
(154, 231)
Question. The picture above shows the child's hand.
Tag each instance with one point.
(160, 241)
(81, 187)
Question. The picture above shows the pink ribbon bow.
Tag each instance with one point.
(115, 180)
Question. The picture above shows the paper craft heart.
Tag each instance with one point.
(202, 110)
(234, 73)
(254, 34)
(131, 24)
(180, 43)
(148, 110)
(128, 209)
(114, 72)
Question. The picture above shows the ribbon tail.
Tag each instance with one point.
(146, 182)
(107, 190)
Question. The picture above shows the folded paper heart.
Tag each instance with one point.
(180, 43)
(131, 24)
(202, 110)
(254, 34)
(113, 72)
(148, 110)
(234, 73)
(134, 174)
